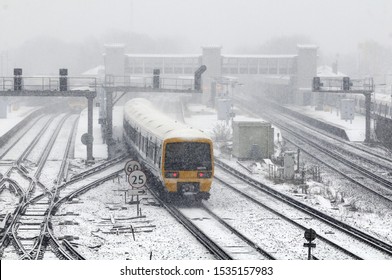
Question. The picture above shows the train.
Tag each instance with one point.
(178, 157)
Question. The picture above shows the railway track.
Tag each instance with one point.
(354, 233)
(221, 239)
(375, 184)
(66, 250)
(23, 192)
(367, 151)
(30, 225)
(28, 228)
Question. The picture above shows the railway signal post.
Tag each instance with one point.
(348, 86)
(310, 235)
(48, 86)
(122, 85)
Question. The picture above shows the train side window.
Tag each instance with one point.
(155, 153)
(147, 146)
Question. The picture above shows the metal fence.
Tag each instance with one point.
(150, 82)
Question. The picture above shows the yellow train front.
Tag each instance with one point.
(188, 164)
(179, 157)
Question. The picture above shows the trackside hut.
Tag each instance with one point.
(252, 139)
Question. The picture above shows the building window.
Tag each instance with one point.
(273, 70)
(243, 70)
(233, 70)
(283, 70)
(178, 70)
(263, 71)
(188, 70)
(225, 70)
(168, 70)
(253, 70)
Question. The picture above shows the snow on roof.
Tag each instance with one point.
(114, 45)
(259, 55)
(211, 47)
(244, 119)
(94, 71)
(307, 46)
(326, 71)
(150, 55)
(142, 112)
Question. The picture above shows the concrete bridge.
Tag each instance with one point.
(286, 78)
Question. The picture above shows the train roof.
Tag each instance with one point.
(142, 112)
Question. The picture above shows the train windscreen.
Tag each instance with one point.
(188, 156)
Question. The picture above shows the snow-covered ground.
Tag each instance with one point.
(99, 208)
(14, 117)
(355, 130)
(99, 147)
(103, 209)
(100, 212)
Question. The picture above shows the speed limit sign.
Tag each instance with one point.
(131, 166)
(137, 179)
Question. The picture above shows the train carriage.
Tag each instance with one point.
(179, 157)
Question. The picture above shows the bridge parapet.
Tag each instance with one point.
(135, 83)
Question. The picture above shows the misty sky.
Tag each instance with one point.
(335, 25)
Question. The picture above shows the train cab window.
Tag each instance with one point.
(188, 156)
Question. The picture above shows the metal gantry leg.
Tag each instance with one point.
(367, 125)
(90, 157)
(109, 123)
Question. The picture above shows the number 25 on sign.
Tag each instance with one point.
(137, 179)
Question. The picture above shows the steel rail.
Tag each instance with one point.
(360, 235)
(286, 218)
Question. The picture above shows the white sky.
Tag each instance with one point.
(336, 25)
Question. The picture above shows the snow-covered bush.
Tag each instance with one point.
(222, 132)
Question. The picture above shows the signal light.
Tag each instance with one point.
(346, 83)
(155, 79)
(197, 78)
(63, 79)
(18, 79)
(172, 174)
(316, 83)
(18, 71)
(203, 175)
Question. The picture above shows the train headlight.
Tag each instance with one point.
(172, 174)
(204, 174)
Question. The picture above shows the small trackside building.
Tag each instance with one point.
(252, 139)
